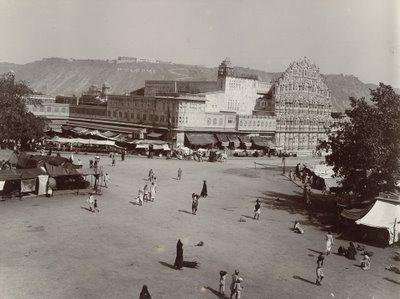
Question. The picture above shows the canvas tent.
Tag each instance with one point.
(379, 220)
(384, 214)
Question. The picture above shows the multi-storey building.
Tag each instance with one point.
(56, 113)
(301, 102)
(294, 111)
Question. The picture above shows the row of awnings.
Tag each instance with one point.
(139, 143)
(206, 139)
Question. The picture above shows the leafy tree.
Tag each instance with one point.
(16, 123)
(366, 150)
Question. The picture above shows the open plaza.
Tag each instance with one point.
(53, 247)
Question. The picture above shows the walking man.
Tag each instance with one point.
(152, 191)
(146, 193)
(139, 198)
(257, 209)
(90, 202)
(195, 203)
(179, 174)
(235, 277)
(320, 271)
(95, 206)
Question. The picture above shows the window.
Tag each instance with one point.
(162, 118)
(64, 110)
(220, 121)
(109, 113)
(214, 121)
(144, 116)
(230, 120)
(48, 109)
(114, 113)
(258, 123)
(208, 121)
(120, 114)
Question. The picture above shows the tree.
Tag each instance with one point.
(16, 123)
(366, 150)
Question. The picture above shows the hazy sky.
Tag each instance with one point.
(360, 37)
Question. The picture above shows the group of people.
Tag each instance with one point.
(235, 286)
(92, 202)
(148, 193)
(349, 253)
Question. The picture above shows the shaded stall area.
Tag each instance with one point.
(197, 140)
(223, 140)
(263, 143)
(377, 223)
(234, 141)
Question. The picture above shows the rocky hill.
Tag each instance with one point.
(56, 76)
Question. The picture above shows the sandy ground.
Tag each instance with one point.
(53, 248)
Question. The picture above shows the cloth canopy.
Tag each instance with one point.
(9, 175)
(154, 135)
(262, 141)
(201, 139)
(332, 183)
(2, 185)
(86, 171)
(31, 173)
(355, 214)
(245, 140)
(57, 139)
(234, 139)
(56, 171)
(109, 134)
(143, 145)
(385, 214)
(223, 139)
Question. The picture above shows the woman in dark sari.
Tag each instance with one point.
(179, 255)
(204, 190)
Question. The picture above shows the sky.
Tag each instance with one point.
(358, 37)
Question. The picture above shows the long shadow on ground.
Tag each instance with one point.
(391, 280)
(186, 264)
(215, 292)
(320, 215)
(184, 211)
(303, 279)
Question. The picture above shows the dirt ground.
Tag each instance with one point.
(54, 248)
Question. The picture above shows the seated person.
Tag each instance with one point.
(297, 228)
(351, 252)
(366, 262)
(342, 251)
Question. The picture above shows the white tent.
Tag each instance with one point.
(384, 214)
(82, 141)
